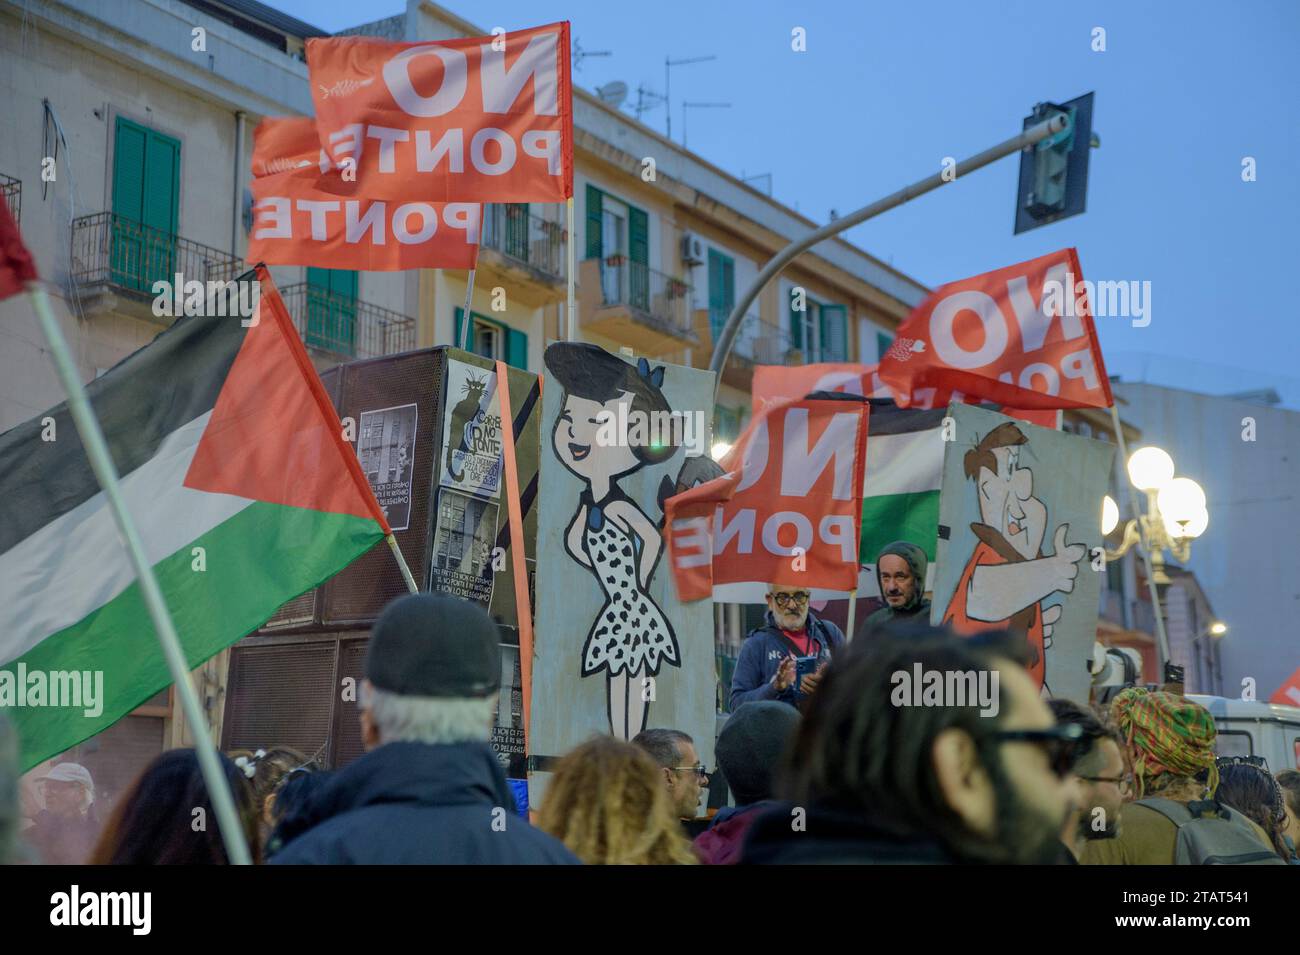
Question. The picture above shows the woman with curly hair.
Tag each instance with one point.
(608, 805)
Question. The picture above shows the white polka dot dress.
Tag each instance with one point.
(631, 632)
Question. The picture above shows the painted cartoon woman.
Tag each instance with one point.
(609, 534)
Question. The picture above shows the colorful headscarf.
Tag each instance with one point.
(1165, 733)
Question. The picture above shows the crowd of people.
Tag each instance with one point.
(822, 760)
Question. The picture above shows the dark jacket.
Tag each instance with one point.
(415, 803)
(832, 838)
(761, 655)
(720, 843)
(918, 607)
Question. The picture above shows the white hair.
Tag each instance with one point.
(429, 719)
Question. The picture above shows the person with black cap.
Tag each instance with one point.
(429, 790)
(749, 748)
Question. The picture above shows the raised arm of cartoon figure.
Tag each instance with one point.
(573, 537)
(645, 529)
(1000, 590)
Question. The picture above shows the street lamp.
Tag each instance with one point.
(1176, 512)
(1218, 628)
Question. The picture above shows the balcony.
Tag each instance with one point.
(525, 251)
(757, 343)
(13, 195)
(116, 260)
(635, 305)
(339, 328)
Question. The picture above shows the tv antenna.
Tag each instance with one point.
(646, 100)
(579, 54)
(755, 178)
(612, 93)
(668, 65)
(686, 106)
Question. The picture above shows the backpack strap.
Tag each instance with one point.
(1175, 812)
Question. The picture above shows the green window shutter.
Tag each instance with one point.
(796, 322)
(835, 332)
(517, 230)
(332, 310)
(146, 200)
(883, 342)
(459, 331)
(129, 146)
(593, 222)
(638, 251)
(722, 290)
(516, 348)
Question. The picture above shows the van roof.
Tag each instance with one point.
(1229, 708)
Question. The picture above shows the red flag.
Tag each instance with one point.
(776, 382)
(487, 119)
(306, 213)
(1289, 692)
(789, 511)
(1020, 336)
(16, 265)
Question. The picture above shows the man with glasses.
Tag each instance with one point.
(872, 780)
(769, 666)
(1103, 779)
(684, 774)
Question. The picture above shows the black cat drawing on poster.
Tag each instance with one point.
(462, 415)
(610, 535)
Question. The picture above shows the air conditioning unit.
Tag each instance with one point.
(692, 249)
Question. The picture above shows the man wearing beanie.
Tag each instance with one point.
(900, 571)
(429, 789)
(1170, 745)
(749, 749)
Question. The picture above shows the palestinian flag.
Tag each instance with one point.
(900, 495)
(245, 495)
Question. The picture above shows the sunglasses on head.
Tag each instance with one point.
(1060, 743)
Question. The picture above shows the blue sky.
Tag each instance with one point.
(883, 92)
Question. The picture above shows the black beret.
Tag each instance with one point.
(434, 645)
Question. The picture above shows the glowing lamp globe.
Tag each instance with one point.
(1186, 526)
(1150, 468)
(1109, 515)
(720, 450)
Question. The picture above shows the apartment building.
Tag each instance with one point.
(125, 145)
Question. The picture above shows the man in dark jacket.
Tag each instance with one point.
(877, 773)
(429, 790)
(766, 668)
(749, 749)
(900, 569)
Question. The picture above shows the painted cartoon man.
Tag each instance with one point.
(1007, 575)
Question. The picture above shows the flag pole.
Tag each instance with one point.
(401, 563)
(853, 611)
(468, 338)
(571, 313)
(1162, 638)
(92, 439)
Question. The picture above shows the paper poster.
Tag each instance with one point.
(386, 450)
(471, 432)
(464, 536)
(1020, 540)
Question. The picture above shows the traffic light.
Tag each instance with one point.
(1054, 171)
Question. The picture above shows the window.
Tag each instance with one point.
(883, 341)
(332, 310)
(618, 234)
(820, 330)
(494, 340)
(722, 290)
(728, 429)
(1233, 743)
(146, 205)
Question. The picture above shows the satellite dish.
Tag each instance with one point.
(612, 94)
